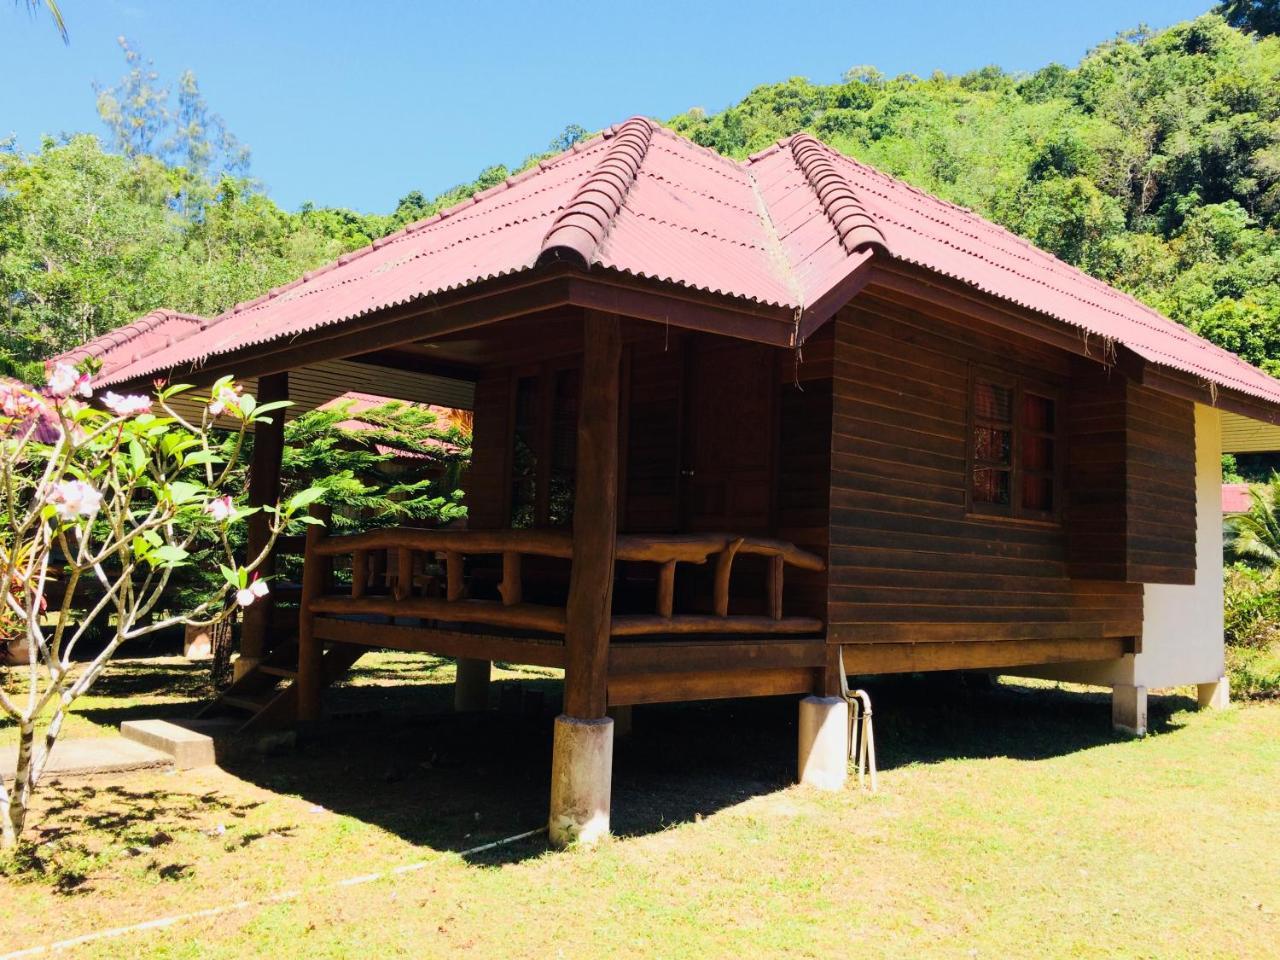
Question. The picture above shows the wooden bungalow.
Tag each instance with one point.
(739, 426)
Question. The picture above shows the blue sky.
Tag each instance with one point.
(355, 103)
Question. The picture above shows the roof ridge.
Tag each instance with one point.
(125, 334)
(582, 224)
(854, 224)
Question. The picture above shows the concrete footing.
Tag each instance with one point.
(1214, 696)
(471, 685)
(1129, 709)
(581, 780)
(824, 745)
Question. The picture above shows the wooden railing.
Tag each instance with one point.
(511, 612)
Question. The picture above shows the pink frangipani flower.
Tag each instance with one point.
(228, 396)
(126, 406)
(66, 380)
(74, 498)
(252, 592)
(220, 508)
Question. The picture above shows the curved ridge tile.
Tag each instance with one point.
(855, 227)
(578, 230)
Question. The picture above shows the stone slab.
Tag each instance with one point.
(200, 743)
(83, 757)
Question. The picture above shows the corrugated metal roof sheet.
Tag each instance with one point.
(783, 228)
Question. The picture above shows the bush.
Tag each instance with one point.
(1252, 630)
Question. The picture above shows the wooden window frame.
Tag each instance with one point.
(1020, 387)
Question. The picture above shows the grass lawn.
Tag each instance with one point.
(1010, 823)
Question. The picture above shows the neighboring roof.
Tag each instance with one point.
(356, 403)
(1235, 498)
(782, 229)
(124, 346)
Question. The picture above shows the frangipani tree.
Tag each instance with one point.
(99, 505)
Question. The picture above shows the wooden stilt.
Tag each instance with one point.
(595, 521)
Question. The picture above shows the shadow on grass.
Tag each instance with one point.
(85, 829)
(455, 782)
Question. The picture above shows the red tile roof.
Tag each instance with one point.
(783, 228)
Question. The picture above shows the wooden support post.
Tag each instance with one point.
(582, 750)
(471, 685)
(359, 573)
(774, 585)
(724, 569)
(512, 589)
(315, 574)
(667, 589)
(264, 490)
(404, 573)
(595, 521)
(453, 575)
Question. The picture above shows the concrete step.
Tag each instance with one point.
(199, 743)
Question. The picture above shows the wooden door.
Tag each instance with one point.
(728, 460)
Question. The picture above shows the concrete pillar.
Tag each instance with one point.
(581, 778)
(824, 742)
(1129, 709)
(1214, 696)
(622, 720)
(471, 685)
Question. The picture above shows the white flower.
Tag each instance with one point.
(227, 396)
(126, 406)
(252, 592)
(66, 380)
(75, 498)
(220, 508)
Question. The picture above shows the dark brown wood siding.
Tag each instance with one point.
(1132, 477)
(909, 562)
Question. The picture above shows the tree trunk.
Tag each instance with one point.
(20, 796)
(220, 641)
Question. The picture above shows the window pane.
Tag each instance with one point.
(992, 401)
(1037, 493)
(1037, 413)
(990, 486)
(1037, 453)
(991, 445)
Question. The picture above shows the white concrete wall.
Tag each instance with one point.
(1181, 625)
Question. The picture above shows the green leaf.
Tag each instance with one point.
(181, 492)
(303, 499)
(167, 555)
(231, 576)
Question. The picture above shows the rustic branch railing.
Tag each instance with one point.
(512, 613)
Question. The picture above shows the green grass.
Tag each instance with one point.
(1010, 823)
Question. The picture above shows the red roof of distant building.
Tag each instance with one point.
(356, 403)
(1236, 498)
(782, 228)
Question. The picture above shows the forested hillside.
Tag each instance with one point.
(1154, 163)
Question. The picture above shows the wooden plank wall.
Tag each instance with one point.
(908, 563)
(803, 487)
(1131, 474)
